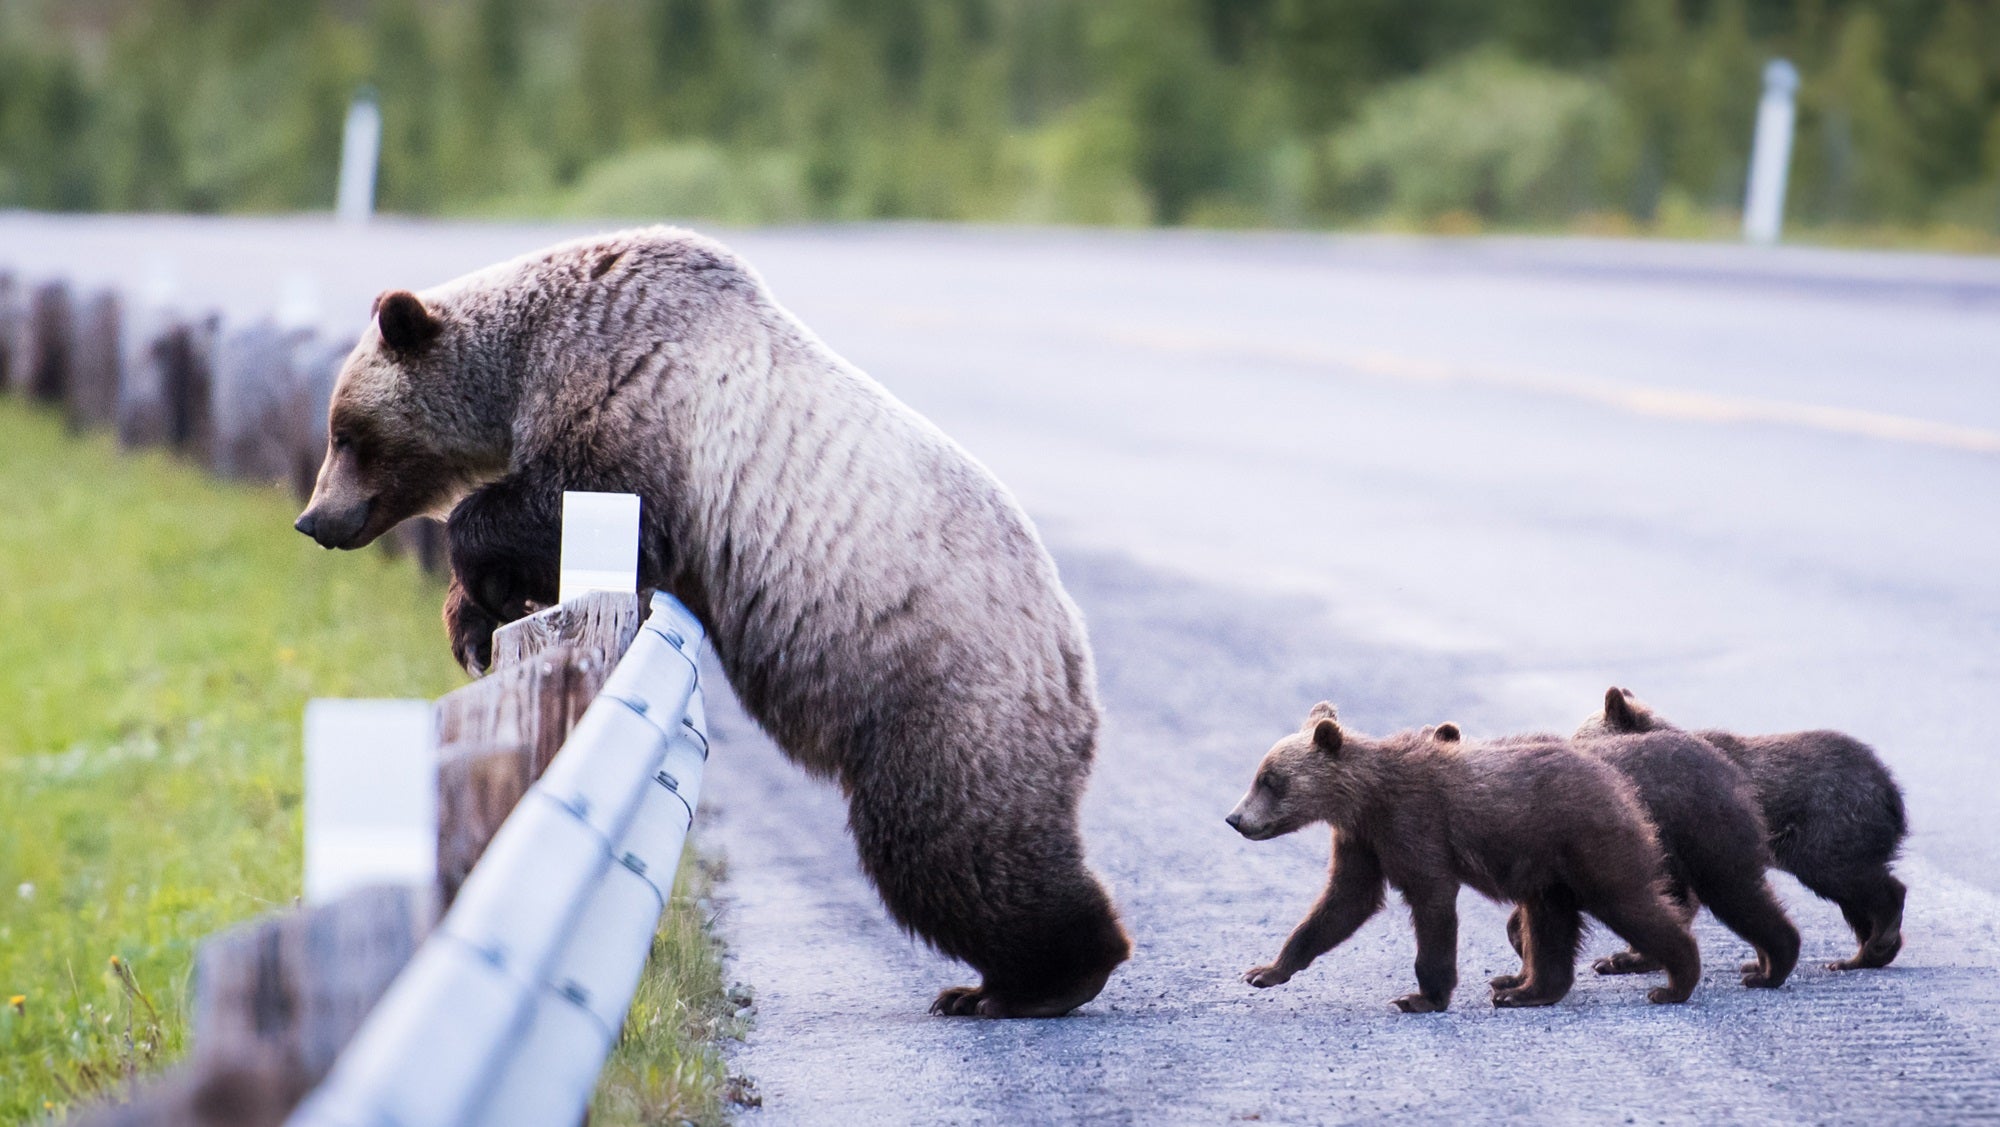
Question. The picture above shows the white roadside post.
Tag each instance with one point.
(371, 796)
(1771, 154)
(600, 544)
(360, 148)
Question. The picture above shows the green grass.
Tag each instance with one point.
(160, 632)
(666, 1069)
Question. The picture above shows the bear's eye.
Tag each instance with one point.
(342, 442)
(1273, 783)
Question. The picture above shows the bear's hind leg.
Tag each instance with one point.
(1629, 961)
(1517, 927)
(996, 880)
(1748, 908)
(1643, 918)
(1872, 901)
(1554, 930)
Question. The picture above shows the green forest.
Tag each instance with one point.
(1437, 114)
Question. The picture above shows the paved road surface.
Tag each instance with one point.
(1428, 480)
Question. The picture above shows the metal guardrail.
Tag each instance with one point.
(507, 1012)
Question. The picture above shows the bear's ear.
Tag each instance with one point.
(1446, 732)
(1326, 737)
(406, 325)
(1620, 710)
(1321, 711)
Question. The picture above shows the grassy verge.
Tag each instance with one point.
(667, 1069)
(162, 632)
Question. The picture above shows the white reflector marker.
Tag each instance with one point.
(371, 796)
(600, 544)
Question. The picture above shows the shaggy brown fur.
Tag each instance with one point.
(1711, 837)
(1834, 812)
(1544, 826)
(879, 602)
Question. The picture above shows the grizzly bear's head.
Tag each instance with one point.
(1304, 778)
(406, 435)
(1622, 714)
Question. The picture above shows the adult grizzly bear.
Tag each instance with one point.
(878, 601)
(1543, 825)
(1834, 812)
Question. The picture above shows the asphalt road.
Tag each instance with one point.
(1476, 481)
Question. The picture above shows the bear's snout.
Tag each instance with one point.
(333, 529)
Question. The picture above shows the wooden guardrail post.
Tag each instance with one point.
(95, 371)
(47, 356)
(497, 735)
(10, 329)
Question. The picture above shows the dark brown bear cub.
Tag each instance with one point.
(1833, 810)
(1711, 837)
(1544, 826)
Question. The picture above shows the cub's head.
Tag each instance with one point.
(1305, 777)
(1622, 714)
(408, 432)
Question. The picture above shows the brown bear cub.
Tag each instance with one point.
(1711, 838)
(1833, 811)
(1545, 826)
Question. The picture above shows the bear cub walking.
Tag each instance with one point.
(1711, 838)
(1833, 811)
(1551, 829)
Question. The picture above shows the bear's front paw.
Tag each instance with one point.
(1262, 977)
(1506, 981)
(1523, 995)
(1626, 962)
(1419, 1004)
(471, 629)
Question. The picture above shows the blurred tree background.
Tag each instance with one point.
(1434, 113)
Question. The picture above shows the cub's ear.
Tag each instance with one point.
(1321, 711)
(1620, 710)
(406, 324)
(1446, 732)
(1326, 737)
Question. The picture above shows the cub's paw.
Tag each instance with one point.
(958, 1001)
(1626, 962)
(1665, 996)
(1262, 977)
(1418, 1004)
(1751, 966)
(1507, 981)
(1755, 978)
(1522, 996)
(1872, 957)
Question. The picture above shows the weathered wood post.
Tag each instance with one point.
(49, 334)
(497, 735)
(95, 364)
(10, 329)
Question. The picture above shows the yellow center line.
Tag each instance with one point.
(1637, 399)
